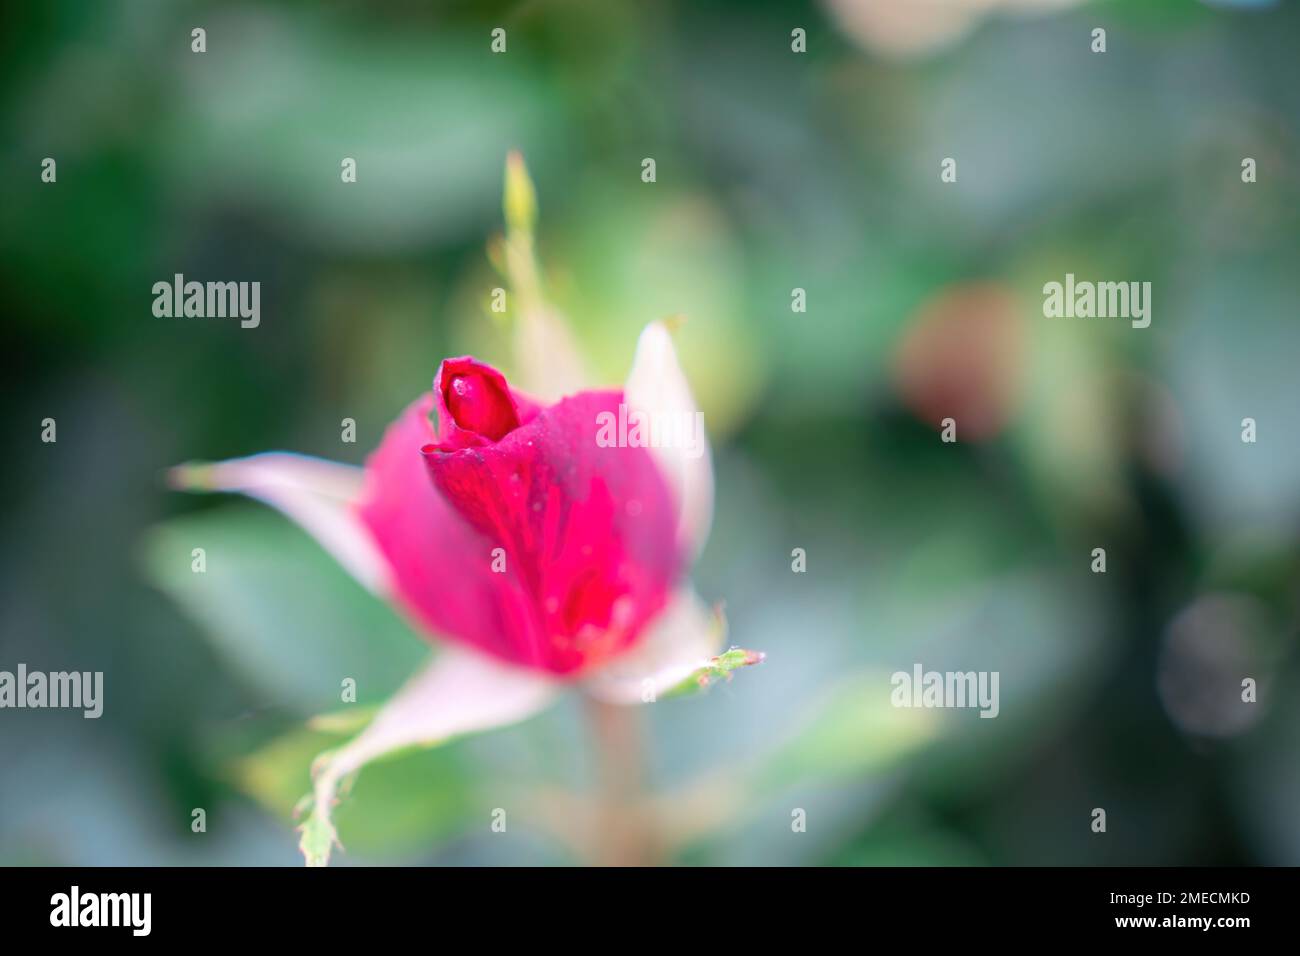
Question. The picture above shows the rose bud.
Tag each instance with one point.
(582, 538)
(503, 526)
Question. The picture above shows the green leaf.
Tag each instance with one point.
(280, 610)
(855, 731)
(401, 805)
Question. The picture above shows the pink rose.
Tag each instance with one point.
(508, 528)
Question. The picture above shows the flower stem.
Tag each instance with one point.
(625, 832)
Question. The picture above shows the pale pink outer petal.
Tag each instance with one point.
(314, 493)
(461, 692)
(657, 385)
(684, 637)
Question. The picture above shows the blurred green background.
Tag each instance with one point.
(775, 170)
